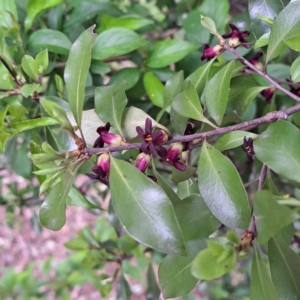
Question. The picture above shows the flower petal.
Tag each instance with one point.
(179, 166)
(152, 149)
(140, 132)
(148, 126)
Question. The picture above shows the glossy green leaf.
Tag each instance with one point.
(3, 139)
(34, 123)
(209, 24)
(187, 103)
(3, 113)
(285, 27)
(178, 121)
(175, 277)
(295, 70)
(99, 67)
(285, 269)
(214, 261)
(168, 52)
(75, 198)
(147, 216)
(42, 60)
(217, 10)
(133, 117)
(178, 176)
(199, 77)
(278, 148)
(194, 31)
(266, 8)
(53, 40)
(116, 41)
(130, 75)
(110, 102)
(187, 188)
(28, 89)
(270, 216)
(222, 189)
(172, 87)
(8, 10)
(262, 286)
(123, 289)
(195, 219)
(232, 140)
(76, 71)
(263, 40)
(154, 89)
(35, 8)
(217, 91)
(30, 67)
(128, 22)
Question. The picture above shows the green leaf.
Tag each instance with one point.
(278, 148)
(34, 123)
(263, 40)
(295, 70)
(267, 8)
(99, 67)
(194, 31)
(168, 52)
(178, 121)
(153, 290)
(270, 216)
(35, 8)
(75, 198)
(187, 103)
(110, 102)
(222, 189)
(199, 77)
(187, 188)
(154, 89)
(28, 89)
(123, 289)
(133, 117)
(53, 40)
(3, 139)
(195, 219)
(232, 140)
(262, 286)
(285, 269)
(172, 87)
(130, 75)
(3, 113)
(210, 25)
(30, 67)
(42, 61)
(175, 277)
(214, 261)
(148, 217)
(178, 176)
(286, 26)
(76, 71)
(116, 41)
(217, 91)
(128, 22)
(8, 10)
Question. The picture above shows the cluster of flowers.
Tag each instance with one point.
(151, 145)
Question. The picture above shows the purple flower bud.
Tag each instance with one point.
(254, 60)
(111, 139)
(142, 162)
(104, 162)
(268, 93)
(173, 152)
(160, 138)
(211, 52)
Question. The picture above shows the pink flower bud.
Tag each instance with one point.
(111, 139)
(162, 137)
(211, 52)
(142, 162)
(173, 152)
(185, 156)
(104, 162)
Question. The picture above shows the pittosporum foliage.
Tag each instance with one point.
(190, 120)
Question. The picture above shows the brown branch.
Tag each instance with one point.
(268, 118)
(259, 72)
(262, 176)
(13, 75)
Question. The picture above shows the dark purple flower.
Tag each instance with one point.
(248, 148)
(236, 37)
(254, 60)
(102, 169)
(268, 93)
(172, 155)
(211, 52)
(295, 90)
(102, 129)
(151, 139)
(142, 162)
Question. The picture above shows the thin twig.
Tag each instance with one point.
(262, 176)
(13, 75)
(259, 72)
(268, 118)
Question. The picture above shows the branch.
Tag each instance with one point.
(259, 72)
(13, 75)
(268, 118)
(262, 176)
